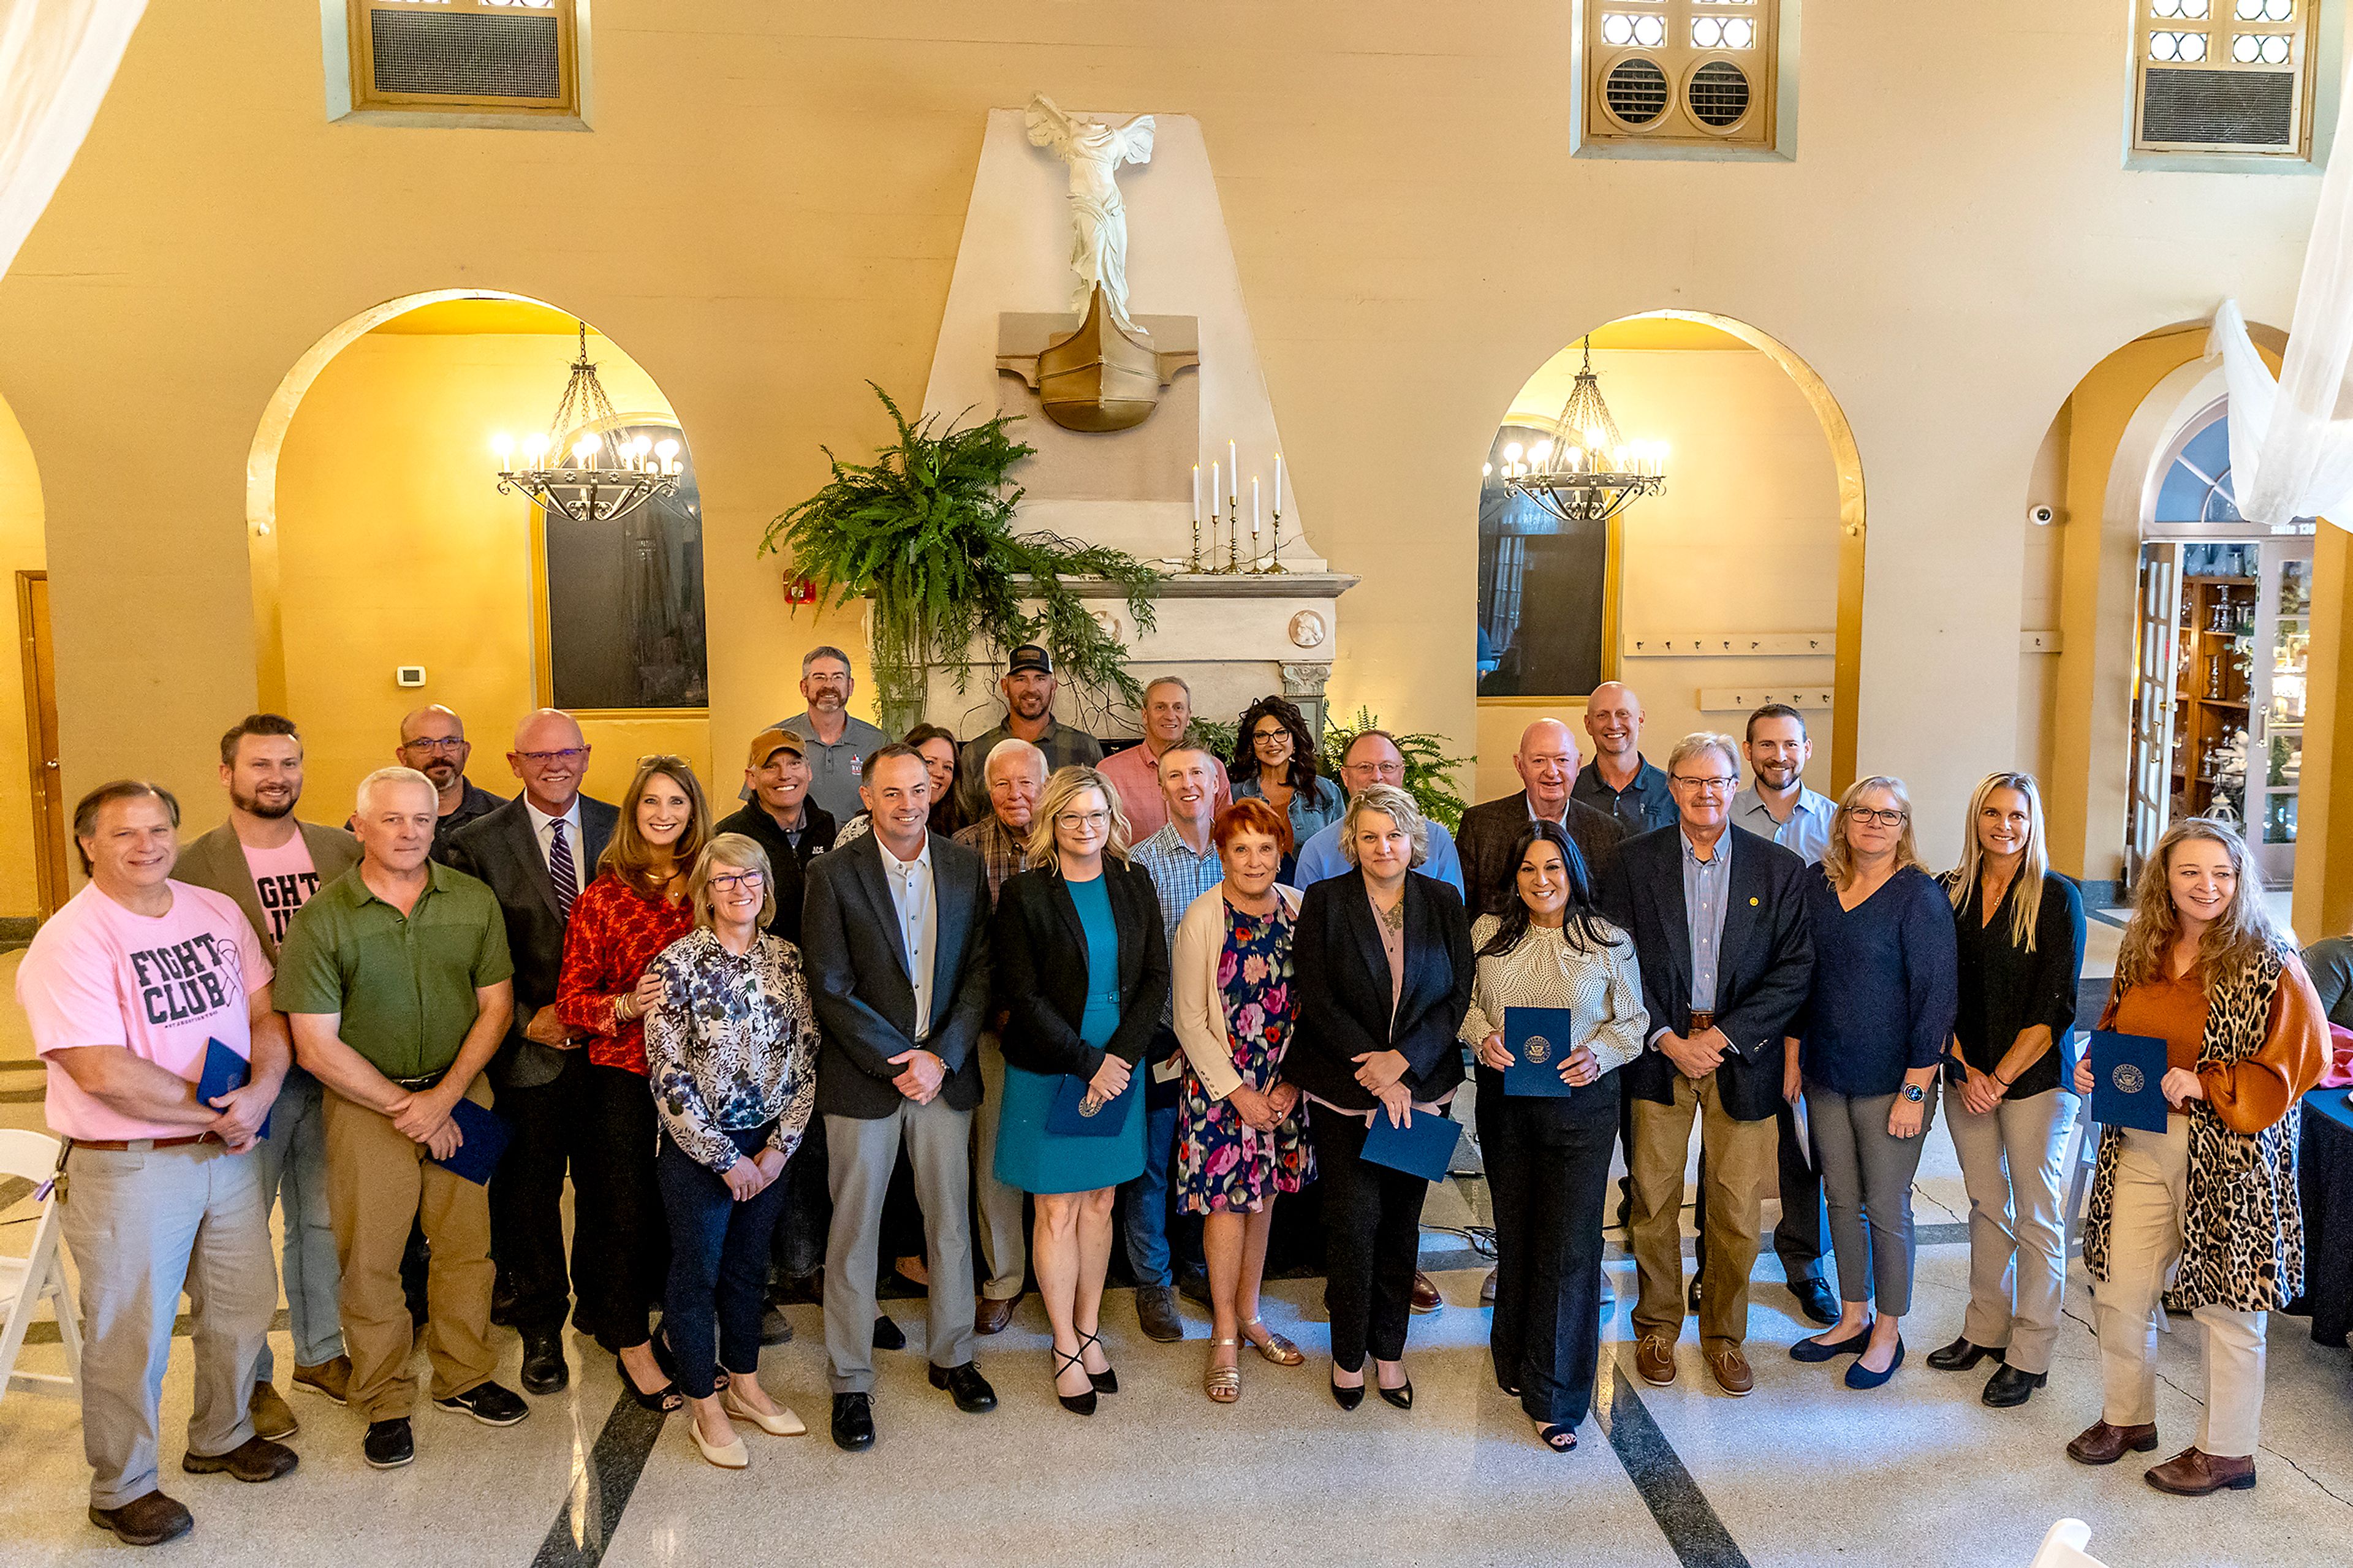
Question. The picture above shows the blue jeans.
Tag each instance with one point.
(1147, 1196)
(293, 1170)
(718, 1264)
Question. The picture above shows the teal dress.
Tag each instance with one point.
(1029, 1157)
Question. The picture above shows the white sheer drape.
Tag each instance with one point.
(2292, 440)
(57, 59)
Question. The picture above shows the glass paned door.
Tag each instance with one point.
(2281, 645)
(2157, 750)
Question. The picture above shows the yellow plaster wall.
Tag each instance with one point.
(22, 549)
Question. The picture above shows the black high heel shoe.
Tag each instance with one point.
(1347, 1398)
(660, 1401)
(1106, 1380)
(1401, 1395)
(1076, 1404)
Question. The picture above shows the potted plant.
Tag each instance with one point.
(925, 532)
(1428, 771)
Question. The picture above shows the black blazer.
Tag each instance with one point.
(500, 848)
(1343, 978)
(1490, 829)
(1762, 977)
(1040, 949)
(789, 864)
(859, 979)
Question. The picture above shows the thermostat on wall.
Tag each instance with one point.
(408, 675)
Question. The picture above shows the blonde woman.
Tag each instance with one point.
(1083, 972)
(636, 907)
(733, 1054)
(2211, 1200)
(2019, 929)
(1866, 1052)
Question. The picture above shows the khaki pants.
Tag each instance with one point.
(2144, 1240)
(2018, 1244)
(1738, 1159)
(1004, 1238)
(379, 1182)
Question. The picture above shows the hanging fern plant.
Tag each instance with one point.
(927, 532)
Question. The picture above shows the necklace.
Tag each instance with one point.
(1393, 916)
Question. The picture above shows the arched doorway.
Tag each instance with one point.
(33, 876)
(1742, 583)
(383, 554)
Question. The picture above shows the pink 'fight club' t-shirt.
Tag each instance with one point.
(98, 974)
(283, 879)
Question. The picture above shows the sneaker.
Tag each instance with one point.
(388, 1445)
(331, 1379)
(488, 1404)
(271, 1418)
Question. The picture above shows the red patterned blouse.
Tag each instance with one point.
(615, 932)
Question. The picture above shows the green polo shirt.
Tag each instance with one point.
(403, 984)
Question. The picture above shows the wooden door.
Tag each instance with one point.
(41, 739)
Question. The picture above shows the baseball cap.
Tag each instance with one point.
(1029, 656)
(768, 743)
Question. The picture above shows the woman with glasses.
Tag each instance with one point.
(733, 1054)
(2019, 930)
(1274, 760)
(1864, 1050)
(1083, 972)
(620, 922)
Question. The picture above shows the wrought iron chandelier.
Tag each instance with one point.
(600, 483)
(1587, 472)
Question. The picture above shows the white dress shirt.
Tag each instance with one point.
(919, 922)
(544, 829)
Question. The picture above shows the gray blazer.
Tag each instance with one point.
(216, 860)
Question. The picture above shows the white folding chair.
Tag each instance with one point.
(2082, 1156)
(2063, 1547)
(40, 1275)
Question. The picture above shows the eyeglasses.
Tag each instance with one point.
(542, 759)
(426, 743)
(740, 880)
(1878, 818)
(1277, 733)
(1705, 787)
(1075, 820)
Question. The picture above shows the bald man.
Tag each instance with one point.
(536, 852)
(433, 742)
(1618, 780)
(1546, 764)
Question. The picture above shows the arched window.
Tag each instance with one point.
(2197, 487)
(624, 622)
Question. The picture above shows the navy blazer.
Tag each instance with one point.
(1762, 976)
(1343, 978)
(1489, 830)
(859, 982)
(500, 848)
(1041, 947)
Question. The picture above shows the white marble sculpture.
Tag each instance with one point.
(1094, 152)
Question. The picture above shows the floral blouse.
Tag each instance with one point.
(732, 1046)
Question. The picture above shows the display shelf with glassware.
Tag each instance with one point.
(2211, 690)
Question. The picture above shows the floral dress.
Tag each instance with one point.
(1224, 1165)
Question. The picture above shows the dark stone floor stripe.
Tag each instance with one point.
(600, 1492)
(1685, 1515)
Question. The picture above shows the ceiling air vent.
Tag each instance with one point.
(2232, 109)
(512, 56)
(1717, 95)
(1636, 91)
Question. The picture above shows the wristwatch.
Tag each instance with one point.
(1915, 1093)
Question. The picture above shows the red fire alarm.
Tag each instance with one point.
(799, 591)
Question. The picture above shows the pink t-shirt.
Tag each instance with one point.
(283, 879)
(98, 974)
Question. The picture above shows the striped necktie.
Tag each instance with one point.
(560, 869)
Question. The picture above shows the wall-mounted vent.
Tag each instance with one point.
(1701, 73)
(2231, 110)
(2224, 76)
(498, 56)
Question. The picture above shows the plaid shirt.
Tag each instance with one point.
(1179, 877)
(1000, 851)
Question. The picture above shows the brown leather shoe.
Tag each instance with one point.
(2194, 1473)
(1732, 1373)
(1487, 1289)
(271, 1418)
(989, 1317)
(1655, 1358)
(332, 1378)
(1426, 1298)
(255, 1459)
(2101, 1444)
(147, 1521)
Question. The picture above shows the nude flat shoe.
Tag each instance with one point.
(783, 1424)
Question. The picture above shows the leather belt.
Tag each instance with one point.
(417, 1085)
(1701, 1023)
(142, 1145)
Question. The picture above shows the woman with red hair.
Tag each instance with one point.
(1241, 1137)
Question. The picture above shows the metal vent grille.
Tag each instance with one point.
(2219, 108)
(1718, 94)
(462, 54)
(1636, 89)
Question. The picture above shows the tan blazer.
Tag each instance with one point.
(216, 860)
(1198, 1011)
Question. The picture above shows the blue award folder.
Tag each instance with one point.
(1424, 1147)
(1068, 1118)
(224, 1070)
(486, 1139)
(2125, 1072)
(1539, 1039)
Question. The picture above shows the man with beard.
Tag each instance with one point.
(1618, 780)
(837, 745)
(268, 864)
(1029, 686)
(433, 742)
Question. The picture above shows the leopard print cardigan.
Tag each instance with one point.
(2242, 1228)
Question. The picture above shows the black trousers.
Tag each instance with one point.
(548, 1125)
(1372, 1227)
(623, 1231)
(1548, 1178)
(1798, 1237)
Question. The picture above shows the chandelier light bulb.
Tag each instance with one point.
(1486, 470)
(1511, 450)
(503, 445)
(666, 450)
(534, 447)
(583, 450)
(1540, 451)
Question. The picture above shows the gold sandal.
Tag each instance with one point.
(1223, 1384)
(1275, 1348)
